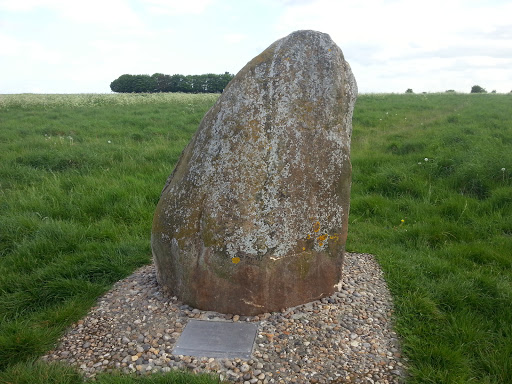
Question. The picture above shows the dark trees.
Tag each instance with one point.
(477, 89)
(158, 82)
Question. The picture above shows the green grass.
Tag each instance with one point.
(44, 373)
(449, 264)
(80, 176)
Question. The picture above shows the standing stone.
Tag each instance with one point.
(254, 217)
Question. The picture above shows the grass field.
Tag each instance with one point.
(80, 176)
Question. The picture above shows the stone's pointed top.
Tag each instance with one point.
(254, 217)
(308, 36)
(305, 34)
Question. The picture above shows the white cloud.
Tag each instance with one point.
(387, 41)
(10, 46)
(501, 32)
(234, 38)
(293, 2)
(111, 14)
(176, 7)
(395, 25)
(21, 50)
(19, 5)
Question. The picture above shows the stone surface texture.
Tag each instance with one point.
(254, 216)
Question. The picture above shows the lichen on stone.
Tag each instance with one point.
(265, 181)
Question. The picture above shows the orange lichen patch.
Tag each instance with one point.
(334, 237)
(303, 248)
(316, 226)
(308, 236)
(321, 244)
(235, 260)
(322, 238)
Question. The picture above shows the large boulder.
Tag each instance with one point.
(254, 216)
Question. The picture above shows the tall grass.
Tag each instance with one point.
(432, 198)
(80, 176)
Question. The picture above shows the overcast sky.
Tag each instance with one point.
(75, 46)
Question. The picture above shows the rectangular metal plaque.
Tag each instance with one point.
(217, 339)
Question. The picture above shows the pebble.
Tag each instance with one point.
(347, 337)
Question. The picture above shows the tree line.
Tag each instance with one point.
(474, 89)
(158, 82)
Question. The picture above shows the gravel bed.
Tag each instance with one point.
(345, 338)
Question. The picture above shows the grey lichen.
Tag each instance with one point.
(269, 161)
